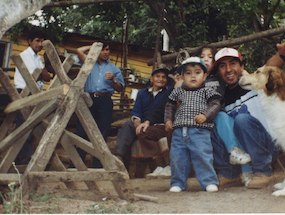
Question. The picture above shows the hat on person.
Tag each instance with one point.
(227, 52)
(160, 69)
(194, 61)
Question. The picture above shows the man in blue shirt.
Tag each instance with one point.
(103, 80)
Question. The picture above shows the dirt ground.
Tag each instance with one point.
(52, 198)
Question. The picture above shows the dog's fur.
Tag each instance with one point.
(269, 82)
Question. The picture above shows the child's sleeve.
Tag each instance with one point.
(214, 104)
(170, 106)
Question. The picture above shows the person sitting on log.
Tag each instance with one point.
(148, 100)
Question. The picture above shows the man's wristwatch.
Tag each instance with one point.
(282, 57)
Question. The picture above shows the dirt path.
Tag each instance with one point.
(227, 200)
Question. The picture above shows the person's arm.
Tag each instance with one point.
(214, 107)
(279, 58)
(137, 111)
(169, 112)
(45, 75)
(116, 84)
(81, 52)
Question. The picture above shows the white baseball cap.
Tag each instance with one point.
(227, 52)
(195, 60)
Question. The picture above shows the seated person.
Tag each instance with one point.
(147, 101)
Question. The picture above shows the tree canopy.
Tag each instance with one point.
(188, 23)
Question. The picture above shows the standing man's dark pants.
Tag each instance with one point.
(101, 110)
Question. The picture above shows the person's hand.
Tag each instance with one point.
(281, 48)
(168, 125)
(200, 118)
(136, 122)
(142, 127)
(109, 76)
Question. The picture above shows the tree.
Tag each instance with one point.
(188, 23)
(13, 11)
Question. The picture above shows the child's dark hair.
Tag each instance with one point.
(35, 32)
(212, 49)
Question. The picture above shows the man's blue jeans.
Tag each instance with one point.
(192, 145)
(255, 140)
(224, 124)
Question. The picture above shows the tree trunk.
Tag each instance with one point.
(13, 11)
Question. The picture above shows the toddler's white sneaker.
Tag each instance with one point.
(212, 188)
(175, 189)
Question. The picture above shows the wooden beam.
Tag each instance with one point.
(78, 163)
(27, 76)
(224, 43)
(61, 117)
(108, 160)
(98, 175)
(27, 125)
(26, 91)
(56, 62)
(37, 98)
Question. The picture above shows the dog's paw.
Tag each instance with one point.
(279, 186)
(279, 193)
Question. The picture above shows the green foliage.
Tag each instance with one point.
(188, 23)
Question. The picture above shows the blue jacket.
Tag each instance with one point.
(146, 105)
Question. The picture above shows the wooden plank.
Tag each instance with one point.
(74, 139)
(7, 124)
(89, 62)
(55, 61)
(27, 125)
(78, 163)
(30, 82)
(67, 64)
(12, 153)
(11, 91)
(26, 91)
(37, 98)
(108, 160)
(58, 166)
(97, 174)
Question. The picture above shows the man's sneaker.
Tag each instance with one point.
(279, 186)
(212, 188)
(156, 172)
(227, 182)
(175, 189)
(258, 181)
(238, 156)
(246, 178)
(166, 171)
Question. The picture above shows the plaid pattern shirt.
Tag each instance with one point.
(187, 103)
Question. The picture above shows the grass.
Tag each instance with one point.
(13, 199)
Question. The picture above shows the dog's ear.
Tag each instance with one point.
(270, 85)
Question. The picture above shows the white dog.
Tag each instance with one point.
(269, 82)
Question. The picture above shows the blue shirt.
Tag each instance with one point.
(96, 81)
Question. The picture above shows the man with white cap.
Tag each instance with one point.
(250, 126)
